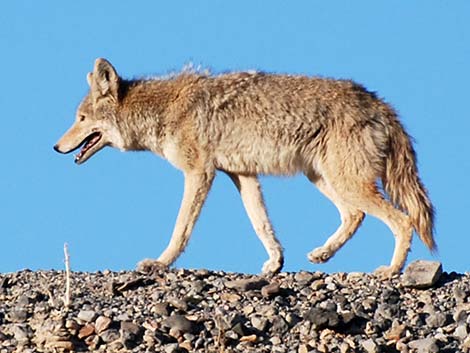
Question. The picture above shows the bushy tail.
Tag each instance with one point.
(404, 187)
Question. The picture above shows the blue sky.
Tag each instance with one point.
(120, 207)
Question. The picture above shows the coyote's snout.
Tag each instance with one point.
(338, 134)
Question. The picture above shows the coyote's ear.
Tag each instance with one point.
(104, 80)
(89, 79)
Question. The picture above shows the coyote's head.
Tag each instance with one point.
(95, 122)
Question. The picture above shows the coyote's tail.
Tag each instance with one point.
(404, 187)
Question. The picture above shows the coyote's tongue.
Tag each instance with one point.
(90, 141)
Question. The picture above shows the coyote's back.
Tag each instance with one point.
(341, 136)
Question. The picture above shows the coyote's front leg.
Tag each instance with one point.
(250, 192)
(196, 188)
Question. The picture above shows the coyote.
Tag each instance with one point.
(343, 138)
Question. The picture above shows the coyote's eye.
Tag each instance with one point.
(82, 117)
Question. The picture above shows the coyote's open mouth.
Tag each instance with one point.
(90, 141)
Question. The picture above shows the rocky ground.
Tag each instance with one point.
(204, 311)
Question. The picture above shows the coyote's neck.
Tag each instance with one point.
(141, 115)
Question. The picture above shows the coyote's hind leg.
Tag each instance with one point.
(250, 192)
(363, 195)
(351, 219)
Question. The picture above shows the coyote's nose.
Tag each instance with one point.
(56, 148)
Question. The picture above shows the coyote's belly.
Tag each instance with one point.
(259, 159)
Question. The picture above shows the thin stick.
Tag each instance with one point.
(67, 276)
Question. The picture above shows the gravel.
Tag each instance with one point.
(213, 311)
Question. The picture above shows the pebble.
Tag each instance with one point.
(180, 323)
(109, 335)
(258, 322)
(461, 332)
(21, 333)
(425, 345)
(86, 315)
(86, 331)
(246, 284)
(422, 274)
(162, 309)
(322, 318)
(370, 346)
(271, 290)
(102, 323)
(18, 315)
(436, 320)
(130, 334)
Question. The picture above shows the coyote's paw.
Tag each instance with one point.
(319, 255)
(273, 265)
(386, 272)
(150, 266)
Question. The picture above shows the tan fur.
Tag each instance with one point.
(342, 137)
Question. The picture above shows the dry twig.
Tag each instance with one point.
(67, 276)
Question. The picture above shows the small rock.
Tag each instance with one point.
(461, 332)
(231, 335)
(370, 346)
(460, 315)
(279, 325)
(162, 309)
(72, 326)
(322, 318)
(178, 304)
(250, 338)
(355, 276)
(102, 323)
(239, 329)
(292, 319)
(86, 315)
(180, 323)
(86, 331)
(271, 290)
(130, 334)
(65, 345)
(248, 309)
(247, 284)
(318, 284)
(109, 335)
(386, 311)
(23, 300)
(303, 277)
(22, 333)
(459, 294)
(425, 345)
(171, 348)
(422, 274)
(92, 341)
(259, 323)
(151, 325)
(466, 344)
(395, 332)
(331, 286)
(122, 317)
(18, 315)
(436, 320)
(275, 340)
(345, 348)
(186, 345)
(230, 297)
